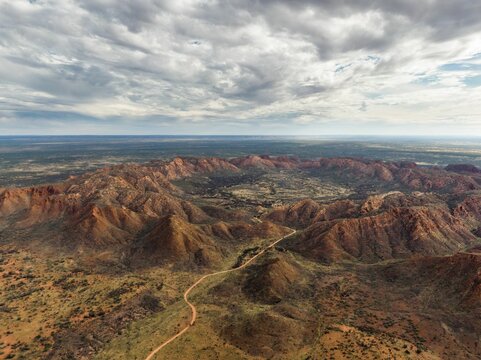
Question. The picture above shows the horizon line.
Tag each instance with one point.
(251, 135)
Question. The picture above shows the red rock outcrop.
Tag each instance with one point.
(307, 212)
(184, 167)
(394, 233)
(266, 161)
(240, 230)
(98, 226)
(469, 209)
(174, 239)
(39, 200)
(114, 206)
(403, 173)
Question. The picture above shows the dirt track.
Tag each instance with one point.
(192, 307)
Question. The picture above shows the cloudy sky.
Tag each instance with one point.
(240, 67)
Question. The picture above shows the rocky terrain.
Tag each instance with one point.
(386, 261)
(381, 227)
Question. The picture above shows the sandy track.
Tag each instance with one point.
(192, 307)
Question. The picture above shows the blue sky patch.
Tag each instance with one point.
(472, 81)
(460, 67)
(427, 80)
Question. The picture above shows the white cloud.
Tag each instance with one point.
(219, 64)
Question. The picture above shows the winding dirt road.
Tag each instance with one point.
(192, 307)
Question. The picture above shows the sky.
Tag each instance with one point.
(289, 67)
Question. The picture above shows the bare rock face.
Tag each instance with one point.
(174, 239)
(99, 226)
(392, 232)
(469, 209)
(115, 207)
(141, 188)
(383, 226)
(38, 203)
(301, 213)
(185, 167)
(373, 169)
(458, 178)
(132, 209)
(265, 161)
(111, 208)
(306, 212)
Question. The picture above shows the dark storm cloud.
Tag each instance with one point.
(206, 59)
(133, 14)
(439, 20)
(445, 17)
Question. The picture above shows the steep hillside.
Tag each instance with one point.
(457, 277)
(419, 308)
(405, 174)
(382, 227)
(396, 233)
(109, 209)
(275, 279)
(174, 239)
(184, 167)
(307, 212)
(131, 209)
(385, 262)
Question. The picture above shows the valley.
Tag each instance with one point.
(240, 180)
(384, 261)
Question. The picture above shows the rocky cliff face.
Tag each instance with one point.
(426, 302)
(406, 174)
(307, 212)
(173, 239)
(381, 227)
(116, 206)
(184, 167)
(124, 206)
(396, 233)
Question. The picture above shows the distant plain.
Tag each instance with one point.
(33, 160)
